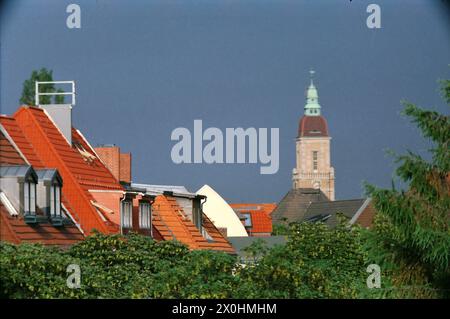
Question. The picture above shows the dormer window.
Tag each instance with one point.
(29, 195)
(49, 199)
(197, 213)
(19, 183)
(55, 201)
(145, 215)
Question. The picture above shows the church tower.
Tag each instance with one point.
(313, 165)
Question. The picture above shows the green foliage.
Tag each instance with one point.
(29, 88)
(411, 236)
(281, 228)
(199, 274)
(33, 271)
(316, 262)
(115, 266)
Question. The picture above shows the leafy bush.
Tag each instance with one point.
(315, 263)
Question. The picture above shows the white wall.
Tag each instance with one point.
(220, 213)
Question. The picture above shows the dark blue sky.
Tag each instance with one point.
(143, 68)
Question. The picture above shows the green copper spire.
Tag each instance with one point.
(312, 107)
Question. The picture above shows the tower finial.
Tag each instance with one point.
(312, 107)
(311, 74)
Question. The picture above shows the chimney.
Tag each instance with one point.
(61, 114)
(125, 167)
(118, 163)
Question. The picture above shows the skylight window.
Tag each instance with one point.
(87, 156)
(247, 219)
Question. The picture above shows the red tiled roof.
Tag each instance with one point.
(219, 241)
(47, 147)
(44, 146)
(92, 174)
(268, 208)
(172, 224)
(9, 155)
(261, 222)
(14, 131)
(260, 215)
(312, 126)
(15, 230)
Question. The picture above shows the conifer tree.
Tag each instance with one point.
(412, 228)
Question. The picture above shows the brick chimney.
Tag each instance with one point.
(118, 163)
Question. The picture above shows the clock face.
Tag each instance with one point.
(316, 185)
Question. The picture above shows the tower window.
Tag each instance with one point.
(315, 163)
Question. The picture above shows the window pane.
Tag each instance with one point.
(247, 220)
(33, 198)
(58, 200)
(130, 215)
(127, 215)
(315, 156)
(26, 196)
(144, 215)
(52, 200)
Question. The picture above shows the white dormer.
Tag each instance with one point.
(19, 182)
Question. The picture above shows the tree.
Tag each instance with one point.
(28, 91)
(316, 262)
(411, 236)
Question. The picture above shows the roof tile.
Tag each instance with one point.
(171, 222)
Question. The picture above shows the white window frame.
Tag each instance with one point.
(29, 196)
(55, 200)
(145, 221)
(127, 214)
